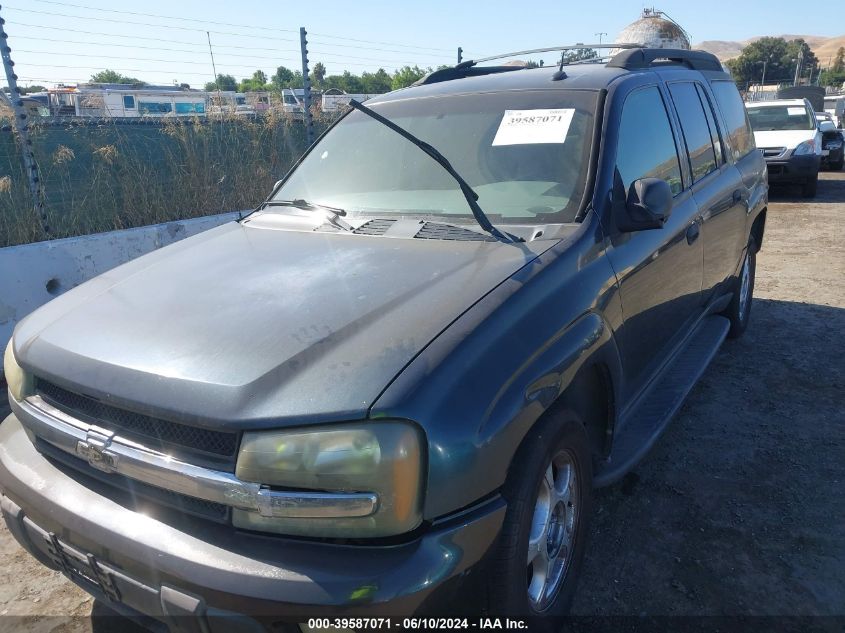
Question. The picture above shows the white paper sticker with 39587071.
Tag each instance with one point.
(527, 127)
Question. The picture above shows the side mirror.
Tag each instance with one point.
(647, 205)
(827, 126)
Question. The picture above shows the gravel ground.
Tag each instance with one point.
(738, 510)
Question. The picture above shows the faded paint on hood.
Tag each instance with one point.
(247, 327)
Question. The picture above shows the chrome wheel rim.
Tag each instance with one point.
(552, 536)
(744, 287)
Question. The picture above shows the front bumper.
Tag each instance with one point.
(165, 568)
(795, 169)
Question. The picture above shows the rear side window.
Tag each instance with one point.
(739, 130)
(696, 131)
(646, 144)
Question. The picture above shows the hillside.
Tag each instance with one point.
(824, 47)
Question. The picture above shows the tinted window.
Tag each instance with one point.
(694, 126)
(739, 130)
(525, 153)
(150, 106)
(711, 121)
(646, 144)
(768, 118)
(129, 102)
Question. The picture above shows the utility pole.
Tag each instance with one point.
(798, 66)
(22, 129)
(763, 81)
(600, 34)
(214, 68)
(460, 54)
(306, 87)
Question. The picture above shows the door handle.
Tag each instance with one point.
(693, 232)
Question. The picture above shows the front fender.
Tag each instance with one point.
(481, 385)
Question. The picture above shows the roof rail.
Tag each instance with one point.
(641, 58)
(460, 71)
(467, 68)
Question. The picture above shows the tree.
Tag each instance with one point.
(318, 75)
(780, 57)
(579, 54)
(377, 82)
(405, 76)
(282, 77)
(839, 62)
(113, 77)
(224, 82)
(256, 83)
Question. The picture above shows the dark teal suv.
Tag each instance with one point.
(392, 388)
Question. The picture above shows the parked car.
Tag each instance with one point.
(786, 132)
(392, 388)
(833, 141)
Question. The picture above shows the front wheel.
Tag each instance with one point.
(739, 309)
(541, 546)
(810, 187)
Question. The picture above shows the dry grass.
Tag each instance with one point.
(107, 175)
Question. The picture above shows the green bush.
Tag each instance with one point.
(116, 174)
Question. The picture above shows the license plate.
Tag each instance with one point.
(87, 568)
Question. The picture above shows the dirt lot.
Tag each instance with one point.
(738, 510)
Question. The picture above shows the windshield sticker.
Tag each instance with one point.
(528, 127)
(796, 111)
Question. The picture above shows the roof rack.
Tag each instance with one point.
(642, 58)
(469, 69)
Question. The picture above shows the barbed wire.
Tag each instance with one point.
(250, 26)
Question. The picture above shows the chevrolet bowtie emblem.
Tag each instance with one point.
(95, 450)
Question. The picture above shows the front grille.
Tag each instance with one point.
(438, 231)
(131, 493)
(773, 152)
(181, 440)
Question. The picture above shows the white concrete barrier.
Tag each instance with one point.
(32, 274)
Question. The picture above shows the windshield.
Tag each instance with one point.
(525, 154)
(768, 118)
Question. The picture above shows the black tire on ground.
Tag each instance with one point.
(558, 439)
(739, 311)
(837, 166)
(810, 187)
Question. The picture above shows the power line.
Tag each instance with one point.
(249, 26)
(169, 41)
(124, 22)
(179, 50)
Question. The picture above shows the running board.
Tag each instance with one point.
(665, 396)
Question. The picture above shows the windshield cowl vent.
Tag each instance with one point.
(379, 226)
(437, 231)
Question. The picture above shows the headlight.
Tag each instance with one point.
(20, 382)
(383, 460)
(807, 147)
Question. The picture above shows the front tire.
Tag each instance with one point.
(739, 309)
(810, 187)
(541, 547)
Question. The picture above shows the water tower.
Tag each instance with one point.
(655, 29)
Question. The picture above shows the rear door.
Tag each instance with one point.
(658, 270)
(717, 186)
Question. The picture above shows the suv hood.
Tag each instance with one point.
(244, 327)
(790, 139)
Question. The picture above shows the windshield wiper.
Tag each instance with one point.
(333, 216)
(470, 194)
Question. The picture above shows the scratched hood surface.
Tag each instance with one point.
(247, 327)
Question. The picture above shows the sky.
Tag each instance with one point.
(162, 41)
